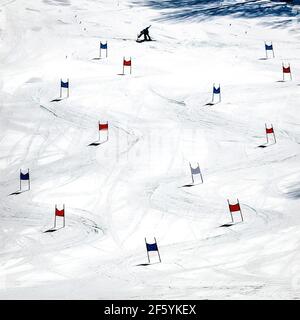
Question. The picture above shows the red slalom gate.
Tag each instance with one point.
(127, 63)
(235, 208)
(270, 131)
(60, 213)
(286, 70)
(103, 127)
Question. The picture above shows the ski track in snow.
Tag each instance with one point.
(132, 186)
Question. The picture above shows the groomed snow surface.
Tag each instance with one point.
(131, 187)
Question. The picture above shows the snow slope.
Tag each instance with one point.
(130, 187)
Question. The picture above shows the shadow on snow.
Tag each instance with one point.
(200, 10)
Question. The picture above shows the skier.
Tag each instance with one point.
(145, 32)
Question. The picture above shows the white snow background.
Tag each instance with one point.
(130, 187)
